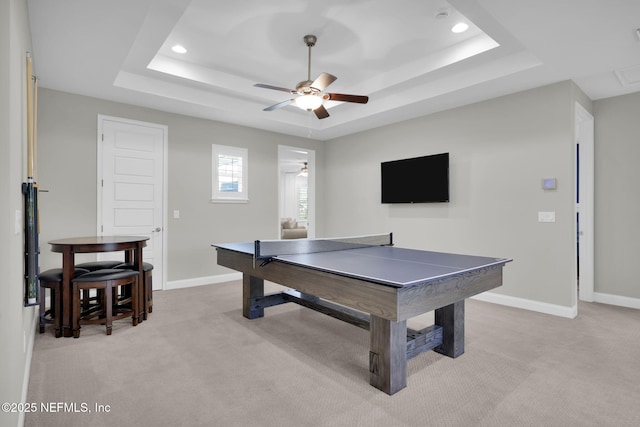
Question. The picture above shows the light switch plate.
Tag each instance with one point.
(18, 222)
(546, 217)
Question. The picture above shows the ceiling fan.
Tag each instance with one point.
(310, 92)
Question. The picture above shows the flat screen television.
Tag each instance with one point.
(416, 180)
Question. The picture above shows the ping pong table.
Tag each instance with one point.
(372, 284)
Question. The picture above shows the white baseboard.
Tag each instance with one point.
(200, 281)
(540, 307)
(616, 300)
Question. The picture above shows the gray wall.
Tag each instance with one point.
(68, 159)
(17, 324)
(617, 171)
(499, 152)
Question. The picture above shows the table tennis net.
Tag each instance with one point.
(266, 249)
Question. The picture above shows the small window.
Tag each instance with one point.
(229, 168)
(303, 203)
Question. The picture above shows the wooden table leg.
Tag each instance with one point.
(451, 318)
(142, 309)
(68, 268)
(252, 287)
(388, 355)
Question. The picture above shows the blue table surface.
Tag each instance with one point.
(387, 265)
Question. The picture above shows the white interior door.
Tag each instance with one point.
(131, 177)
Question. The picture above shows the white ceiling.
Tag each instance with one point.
(395, 51)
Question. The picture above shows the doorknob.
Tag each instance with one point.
(158, 229)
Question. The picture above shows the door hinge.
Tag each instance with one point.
(102, 228)
(103, 137)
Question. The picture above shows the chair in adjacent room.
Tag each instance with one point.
(108, 308)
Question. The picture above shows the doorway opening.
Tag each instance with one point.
(296, 192)
(584, 189)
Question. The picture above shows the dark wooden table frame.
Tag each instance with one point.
(132, 247)
(381, 309)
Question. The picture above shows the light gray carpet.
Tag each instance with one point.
(198, 362)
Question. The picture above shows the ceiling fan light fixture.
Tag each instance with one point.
(311, 91)
(308, 102)
(304, 171)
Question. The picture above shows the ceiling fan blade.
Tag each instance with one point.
(360, 99)
(321, 112)
(279, 105)
(283, 89)
(323, 81)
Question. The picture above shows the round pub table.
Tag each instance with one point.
(132, 247)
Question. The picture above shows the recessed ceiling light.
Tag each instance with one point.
(179, 49)
(460, 27)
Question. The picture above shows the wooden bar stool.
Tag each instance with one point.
(52, 280)
(108, 281)
(146, 289)
(93, 266)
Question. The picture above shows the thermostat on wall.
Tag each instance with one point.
(549, 184)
